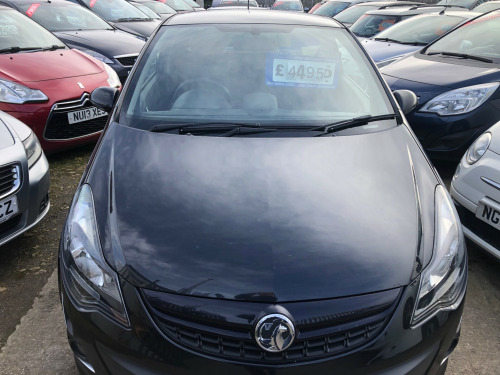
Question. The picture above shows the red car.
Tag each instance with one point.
(47, 86)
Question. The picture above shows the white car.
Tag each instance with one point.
(476, 190)
(24, 179)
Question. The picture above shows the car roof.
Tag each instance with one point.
(412, 9)
(252, 16)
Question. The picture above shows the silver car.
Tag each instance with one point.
(24, 179)
(475, 189)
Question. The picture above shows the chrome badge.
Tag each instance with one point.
(81, 85)
(274, 333)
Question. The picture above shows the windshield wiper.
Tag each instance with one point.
(389, 40)
(52, 48)
(351, 123)
(19, 49)
(133, 19)
(461, 55)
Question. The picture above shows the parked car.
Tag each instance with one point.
(351, 14)
(24, 179)
(317, 5)
(376, 21)
(456, 79)
(147, 11)
(46, 85)
(290, 5)
(179, 6)
(412, 34)
(469, 4)
(193, 4)
(487, 7)
(122, 15)
(475, 189)
(299, 227)
(333, 7)
(82, 29)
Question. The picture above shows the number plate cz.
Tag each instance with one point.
(8, 208)
(85, 115)
(489, 212)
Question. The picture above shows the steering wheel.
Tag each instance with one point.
(191, 84)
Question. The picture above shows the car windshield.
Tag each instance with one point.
(352, 14)
(159, 8)
(178, 5)
(479, 38)
(265, 74)
(17, 32)
(370, 25)
(115, 10)
(331, 8)
(250, 3)
(423, 29)
(64, 17)
(486, 7)
(459, 3)
(287, 5)
(148, 12)
(192, 3)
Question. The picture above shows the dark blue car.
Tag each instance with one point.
(456, 80)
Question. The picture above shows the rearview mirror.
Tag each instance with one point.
(406, 99)
(104, 97)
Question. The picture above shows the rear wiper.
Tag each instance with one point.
(19, 49)
(461, 55)
(351, 123)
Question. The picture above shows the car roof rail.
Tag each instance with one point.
(397, 4)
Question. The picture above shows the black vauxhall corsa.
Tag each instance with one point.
(259, 205)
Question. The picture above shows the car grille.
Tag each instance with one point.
(128, 60)
(10, 179)
(478, 227)
(59, 128)
(211, 333)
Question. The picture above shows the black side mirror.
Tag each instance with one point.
(406, 99)
(104, 97)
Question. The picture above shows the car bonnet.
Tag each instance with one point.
(258, 218)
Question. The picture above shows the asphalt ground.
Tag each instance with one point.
(32, 331)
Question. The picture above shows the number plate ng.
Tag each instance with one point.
(489, 212)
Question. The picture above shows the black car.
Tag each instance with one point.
(259, 205)
(79, 28)
(122, 15)
(457, 79)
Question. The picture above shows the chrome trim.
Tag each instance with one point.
(492, 183)
(71, 104)
(86, 364)
(136, 55)
(16, 169)
(22, 230)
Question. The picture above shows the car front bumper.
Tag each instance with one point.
(102, 346)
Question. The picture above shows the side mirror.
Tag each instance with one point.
(406, 99)
(104, 97)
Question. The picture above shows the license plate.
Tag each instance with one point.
(8, 208)
(85, 115)
(489, 211)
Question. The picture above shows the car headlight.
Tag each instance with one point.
(98, 56)
(92, 283)
(33, 149)
(478, 148)
(11, 92)
(459, 101)
(113, 80)
(443, 281)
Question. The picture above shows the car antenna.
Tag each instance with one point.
(248, 4)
